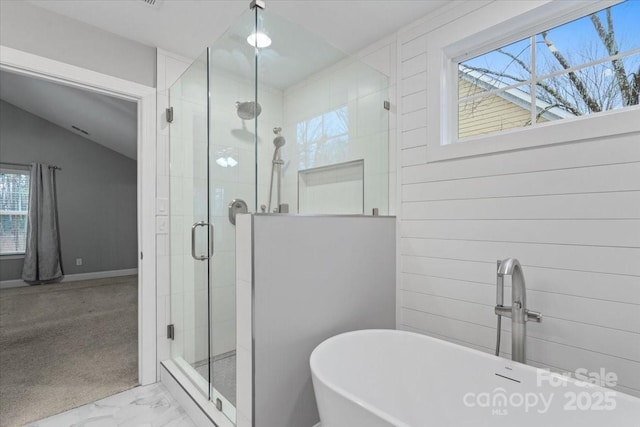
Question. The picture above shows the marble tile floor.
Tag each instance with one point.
(150, 405)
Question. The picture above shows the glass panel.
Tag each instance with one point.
(232, 175)
(583, 40)
(505, 66)
(188, 186)
(506, 110)
(588, 90)
(330, 108)
(321, 107)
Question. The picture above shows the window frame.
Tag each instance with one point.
(481, 32)
(25, 171)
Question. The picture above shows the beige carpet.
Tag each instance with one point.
(64, 345)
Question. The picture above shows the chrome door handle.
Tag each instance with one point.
(193, 241)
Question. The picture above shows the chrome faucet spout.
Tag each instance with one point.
(517, 312)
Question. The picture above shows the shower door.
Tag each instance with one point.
(213, 147)
(191, 232)
(232, 178)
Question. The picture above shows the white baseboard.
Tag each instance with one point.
(5, 284)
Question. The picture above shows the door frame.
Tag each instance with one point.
(24, 63)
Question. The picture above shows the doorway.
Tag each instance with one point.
(67, 340)
(144, 98)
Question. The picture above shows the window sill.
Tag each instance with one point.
(4, 257)
(602, 125)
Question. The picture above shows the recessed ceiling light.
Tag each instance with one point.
(259, 39)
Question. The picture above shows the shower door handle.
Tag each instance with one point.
(193, 241)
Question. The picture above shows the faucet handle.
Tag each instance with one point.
(534, 316)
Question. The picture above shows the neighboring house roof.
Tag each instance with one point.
(514, 95)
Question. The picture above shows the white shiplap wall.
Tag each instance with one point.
(570, 213)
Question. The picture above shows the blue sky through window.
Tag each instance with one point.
(577, 40)
(574, 44)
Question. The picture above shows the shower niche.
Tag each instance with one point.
(332, 189)
(273, 116)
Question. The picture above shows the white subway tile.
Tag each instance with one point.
(244, 314)
(162, 186)
(173, 70)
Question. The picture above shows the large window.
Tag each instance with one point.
(587, 66)
(14, 206)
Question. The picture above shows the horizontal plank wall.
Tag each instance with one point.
(570, 213)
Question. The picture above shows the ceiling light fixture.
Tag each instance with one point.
(259, 39)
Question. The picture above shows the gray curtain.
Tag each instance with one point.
(42, 257)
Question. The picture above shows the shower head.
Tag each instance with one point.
(279, 141)
(248, 110)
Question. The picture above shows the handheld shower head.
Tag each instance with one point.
(248, 110)
(279, 141)
(276, 168)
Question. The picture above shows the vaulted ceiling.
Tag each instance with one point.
(108, 121)
(187, 27)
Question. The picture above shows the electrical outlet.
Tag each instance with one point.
(78, 261)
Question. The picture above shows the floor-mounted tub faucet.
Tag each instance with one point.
(517, 311)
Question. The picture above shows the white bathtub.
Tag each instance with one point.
(377, 378)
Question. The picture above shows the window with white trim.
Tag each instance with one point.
(584, 67)
(14, 209)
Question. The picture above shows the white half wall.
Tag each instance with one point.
(301, 280)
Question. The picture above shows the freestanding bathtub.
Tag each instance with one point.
(381, 378)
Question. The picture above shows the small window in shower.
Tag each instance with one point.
(324, 139)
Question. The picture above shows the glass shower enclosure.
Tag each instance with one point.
(267, 110)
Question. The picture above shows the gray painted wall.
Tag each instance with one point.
(96, 193)
(35, 30)
(314, 277)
